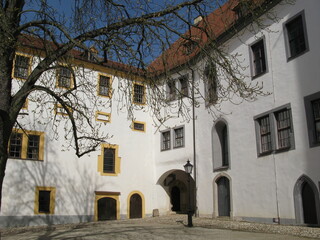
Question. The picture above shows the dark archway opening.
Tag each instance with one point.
(107, 209)
(308, 204)
(135, 206)
(175, 199)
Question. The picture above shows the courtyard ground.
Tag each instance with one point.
(166, 227)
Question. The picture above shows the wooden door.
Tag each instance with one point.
(135, 206)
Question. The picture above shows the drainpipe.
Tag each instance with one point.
(194, 143)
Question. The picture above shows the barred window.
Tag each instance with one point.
(138, 94)
(15, 145)
(21, 66)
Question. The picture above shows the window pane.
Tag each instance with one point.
(21, 67)
(284, 128)
(171, 95)
(184, 86)
(138, 126)
(210, 75)
(15, 145)
(138, 93)
(265, 134)
(109, 160)
(33, 146)
(104, 85)
(64, 78)
(44, 201)
(316, 118)
(166, 140)
(178, 139)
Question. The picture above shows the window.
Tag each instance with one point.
(64, 76)
(138, 93)
(171, 90)
(178, 136)
(183, 84)
(104, 86)
(312, 107)
(258, 58)
(109, 161)
(274, 131)
(220, 146)
(103, 117)
(138, 126)
(210, 75)
(22, 65)
(165, 140)
(296, 36)
(26, 145)
(45, 200)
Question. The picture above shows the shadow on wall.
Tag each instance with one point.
(74, 186)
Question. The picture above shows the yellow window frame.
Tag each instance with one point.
(110, 85)
(14, 65)
(62, 113)
(52, 199)
(117, 160)
(144, 126)
(24, 147)
(108, 115)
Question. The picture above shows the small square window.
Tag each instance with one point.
(258, 58)
(21, 66)
(178, 137)
(138, 93)
(64, 77)
(312, 107)
(138, 126)
(104, 86)
(165, 140)
(274, 131)
(296, 36)
(103, 117)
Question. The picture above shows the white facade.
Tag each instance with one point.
(265, 188)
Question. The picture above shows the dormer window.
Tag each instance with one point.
(242, 9)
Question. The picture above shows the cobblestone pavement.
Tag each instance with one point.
(167, 227)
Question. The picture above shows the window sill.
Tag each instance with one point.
(163, 150)
(258, 75)
(297, 55)
(178, 147)
(222, 168)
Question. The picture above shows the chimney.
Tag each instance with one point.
(197, 20)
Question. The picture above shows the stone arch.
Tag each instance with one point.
(217, 189)
(136, 213)
(305, 190)
(220, 145)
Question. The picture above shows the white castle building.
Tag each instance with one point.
(253, 160)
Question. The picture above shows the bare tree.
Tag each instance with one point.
(127, 36)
